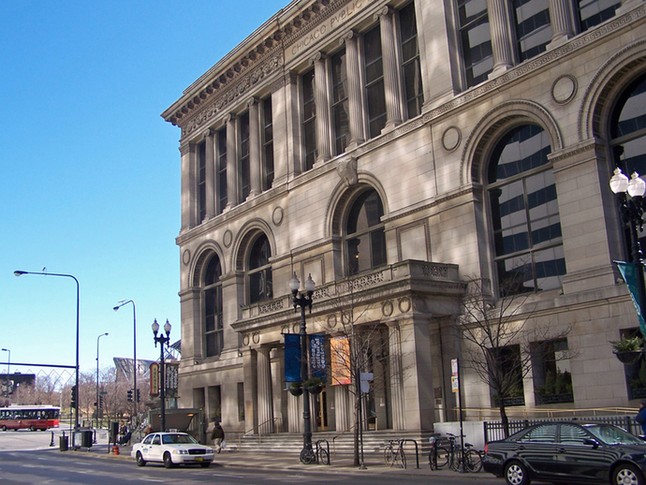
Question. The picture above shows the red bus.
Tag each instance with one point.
(32, 417)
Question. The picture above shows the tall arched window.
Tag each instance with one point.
(524, 211)
(365, 240)
(260, 281)
(628, 133)
(212, 305)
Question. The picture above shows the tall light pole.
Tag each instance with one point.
(7, 380)
(304, 300)
(78, 299)
(162, 379)
(135, 395)
(98, 401)
(632, 205)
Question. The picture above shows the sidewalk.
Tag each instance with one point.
(288, 461)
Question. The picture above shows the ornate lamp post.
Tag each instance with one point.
(78, 291)
(632, 204)
(135, 395)
(304, 300)
(98, 401)
(162, 379)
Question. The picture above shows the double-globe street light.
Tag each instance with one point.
(98, 401)
(135, 396)
(78, 294)
(304, 300)
(163, 340)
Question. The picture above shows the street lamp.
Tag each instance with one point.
(304, 300)
(162, 380)
(134, 357)
(632, 205)
(8, 379)
(78, 293)
(98, 401)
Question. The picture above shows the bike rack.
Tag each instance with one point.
(416, 449)
(319, 448)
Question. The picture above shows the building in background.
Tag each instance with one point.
(394, 150)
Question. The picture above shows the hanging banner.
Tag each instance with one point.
(317, 357)
(340, 361)
(629, 272)
(292, 357)
(154, 379)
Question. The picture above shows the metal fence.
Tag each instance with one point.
(493, 430)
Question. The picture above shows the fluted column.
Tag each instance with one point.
(391, 70)
(265, 399)
(396, 376)
(294, 414)
(354, 89)
(322, 110)
(232, 165)
(342, 408)
(254, 147)
(210, 174)
(561, 20)
(188, 182)
(499, 24)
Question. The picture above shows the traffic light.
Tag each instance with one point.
(73, 397)
(100, 402)
(138, 396)
(129, 395)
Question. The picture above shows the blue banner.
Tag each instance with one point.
(292, 357)
(317, 357)
(629, 272)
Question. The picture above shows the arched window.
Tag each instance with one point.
(260, 281)
(628, 133)
(524, 212)
(365, 240)
(212, 305)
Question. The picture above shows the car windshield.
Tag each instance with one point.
(613, 435)
(169, 439)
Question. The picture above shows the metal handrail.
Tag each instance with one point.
(259, 427)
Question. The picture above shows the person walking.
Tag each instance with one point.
(217, 435)
(641, 416)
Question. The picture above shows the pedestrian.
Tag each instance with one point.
(217, 435)
(641, 416)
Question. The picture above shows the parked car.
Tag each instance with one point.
(568, 452)
(171, 449)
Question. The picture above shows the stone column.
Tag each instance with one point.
(232, 165)
(499, 23)
(396, 376)
(354, 90)
(210, 174)
(390, 67)
(294, 414)
(265, 399)
(188, 182)
(342, 408)
(283, 101)
(254, 147)
(561, 20)
(322, 110)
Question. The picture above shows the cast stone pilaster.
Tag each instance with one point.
(322, 111)
(390, 68)
(254, 147)
(354, 90)
(499, 23)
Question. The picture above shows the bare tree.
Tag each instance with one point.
(501, 346)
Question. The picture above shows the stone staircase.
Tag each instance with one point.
(339, 443)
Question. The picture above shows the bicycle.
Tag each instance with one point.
(465, 459)
(394, 453)
(438, 457)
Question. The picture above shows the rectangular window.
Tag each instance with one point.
(309, 119)
(267, 145)
(551, 371)
(594, 12)
(475, 38)
(240, 401)
(340, 113)
(533, 29)
(410, 66)
(201, 181)
(221, 140)
(244, 166)
(374, 82)
(213, 331)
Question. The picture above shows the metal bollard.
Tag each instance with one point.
(51, 443)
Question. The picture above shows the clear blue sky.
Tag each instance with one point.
(91, 172)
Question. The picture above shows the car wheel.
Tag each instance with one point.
(168, 461)
(140, 459)
(516, 474)
(205, 464)
(627, 474)
(4, 428)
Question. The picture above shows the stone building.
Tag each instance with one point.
(394, 149)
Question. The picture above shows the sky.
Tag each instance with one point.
(90, 181)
